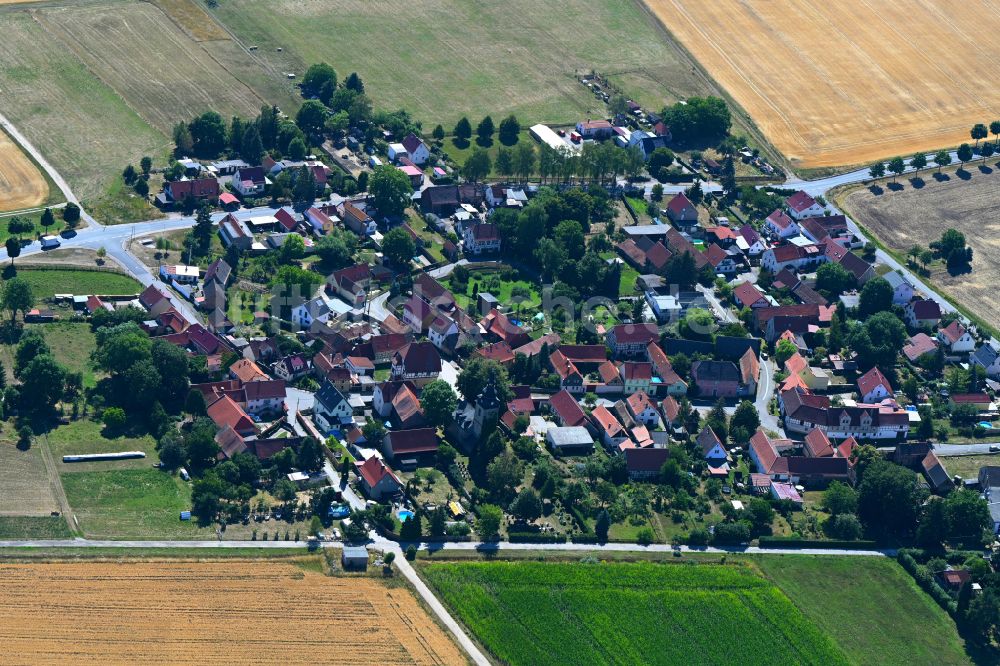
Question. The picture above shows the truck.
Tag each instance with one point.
(50, 242)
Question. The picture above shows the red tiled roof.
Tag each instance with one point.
(225, 412)
(679, 203)
(635, 333)
(871, 380)
(568, 409)
(800, 201)
(747, 294)
(818, 444)
(498, 351)
(417, 440)
(671, 408)
(374, 470)
(780, 219)
(953, 332)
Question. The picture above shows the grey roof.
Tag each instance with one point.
(895, 279)
(570, 436)
(350, 552)
(329, 396)
(986, 354)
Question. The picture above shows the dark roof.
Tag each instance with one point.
(218, 270)
(329, 396)
(716, 371)
(420, 358)
(417, 440)
(645, 460)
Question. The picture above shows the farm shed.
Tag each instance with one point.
(354, 557)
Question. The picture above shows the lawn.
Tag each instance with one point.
(34, 527)
(967, 467)
(71, 344)
(870, 607)
(559, 613)
(459, 152)
(47, 282)
(121, 205)
(490, 281)
(442, 59)
(122, 503)
(86, 436)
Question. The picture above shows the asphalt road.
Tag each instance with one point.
(966, 449)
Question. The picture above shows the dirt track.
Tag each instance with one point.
(21, 184)
(233, 612)
(846, 82)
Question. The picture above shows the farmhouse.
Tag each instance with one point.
(200, 189)
(873, 387)
(595, 129)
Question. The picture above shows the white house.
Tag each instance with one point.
(312, 310)
(412, 148)
(801, 206)
(321, 223)
(988, 358)
(902, 290)
(330, 408)
(179, 273)
(791, 256)
(957, 338)
(442, 332)
(874, 387)
(482, 238)
(396, 151)
(780, 225)
(250, 181)
(265, 397)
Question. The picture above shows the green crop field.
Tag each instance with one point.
(569, 613)
(46, 282)
(34, 527)
(870, 607)
(442, 59)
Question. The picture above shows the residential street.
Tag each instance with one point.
(944, 450)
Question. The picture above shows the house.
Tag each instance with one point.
(681, 211)
(288, 220)
(937, 475)
(988, 358)
(409, 446)
(609, 428)
(418, 362)
(801, 205)
(953, 580)
(292, 367)
(225, 412)
(817, 445)
(749, 373)
(722, 261)
(351, 284)
(499, 327)
(635, 376)
(199, 189)
(779, 225)
(716, 379)
(234, 231)
(712, 448)
(218, 272)
(360, 365)
(765, 453)
(957, 338)
(330, 408)
(922, 312)
(902, 290)
(642, 409)
(989, 485)
(631, 340)
(873, 387)
(645, 464)
(569, 440)
(442, 200)
(357, 219)
(377, 480)
(855, 265)
(250, 181)
(567, 410)
(179, 273)
(245, 371)
(497, 351)
(644, 254)
(919, 344)
(747, 295)
(752, 244)
(313, 310)
(322, 223)
(354, 558)
(801, 374)
(791, 256)
(154, 300)
(670, 381)
(818, 229)
(803, 411)
(416, 150)
(265, 397)
(406, 410)
(595, 129)
(481, 238)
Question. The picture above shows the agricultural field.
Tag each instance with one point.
(548, 613)
(22, 185)
(215, 612)
(450, 59)
(46, 282)
(917, 216)
(890, 616)
(26, 489)
(839, 83)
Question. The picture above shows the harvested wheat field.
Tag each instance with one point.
(917, 216)
(232, 612)
(21, 184)
(837, 83)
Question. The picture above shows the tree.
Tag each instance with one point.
(208, 132)
(700, 121)
(195, 403)
(878, 340)
(13, 248)
(942, 158)
(834, 279)
(476, 373)
(438, 401)
(304, 188)
(717, 421)
(488, 522)
(477, 165)
(412, 528)
(203, 230)
(846, 527)
(896, 166)
(463, 129)
(317, 77)
(252, 146)
(17, 296)
(995, 131)
(746, 420)
(503, 475)
(918, 161)
(978, 132)
(840, 498)
(31, 345)
(987, 150)
(309, 457)
(504, 164)
(889, 499)
(876, 296)
(336, 249)
(964, 154)
(42, 382)
(876, 170)
(183, 143)
(398, 247)
(71, 214)
(509, 130)
(760, 513)
(526, 506)
(438, 133)
(311, 117)
(661, 158)
(524, 160)
(485, 130)
(141, 187)
(390, 189)
(602, 525)
(293, 249)
(113, 419)
(968, 517)
(146, 164)
(374, 432)
(354, 82)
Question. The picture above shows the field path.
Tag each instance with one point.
(42, 162)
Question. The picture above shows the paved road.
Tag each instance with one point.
(765, 391)
(966, 449)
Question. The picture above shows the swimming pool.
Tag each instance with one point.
(985, 425)
(404, 515)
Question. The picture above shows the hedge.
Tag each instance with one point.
(796, 542)
(925, 579)
(535, 537)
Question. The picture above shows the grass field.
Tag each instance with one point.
(210, 613)
(967, 467)
(26, 489)
(915, 216)
(21, 183)
(870, 607)
(34, 527)
(442, 59)
(158, 70)
(80, 124)
(546, 613)
(838, 83)
(87, 436)
(46, 282)
(71, 344)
